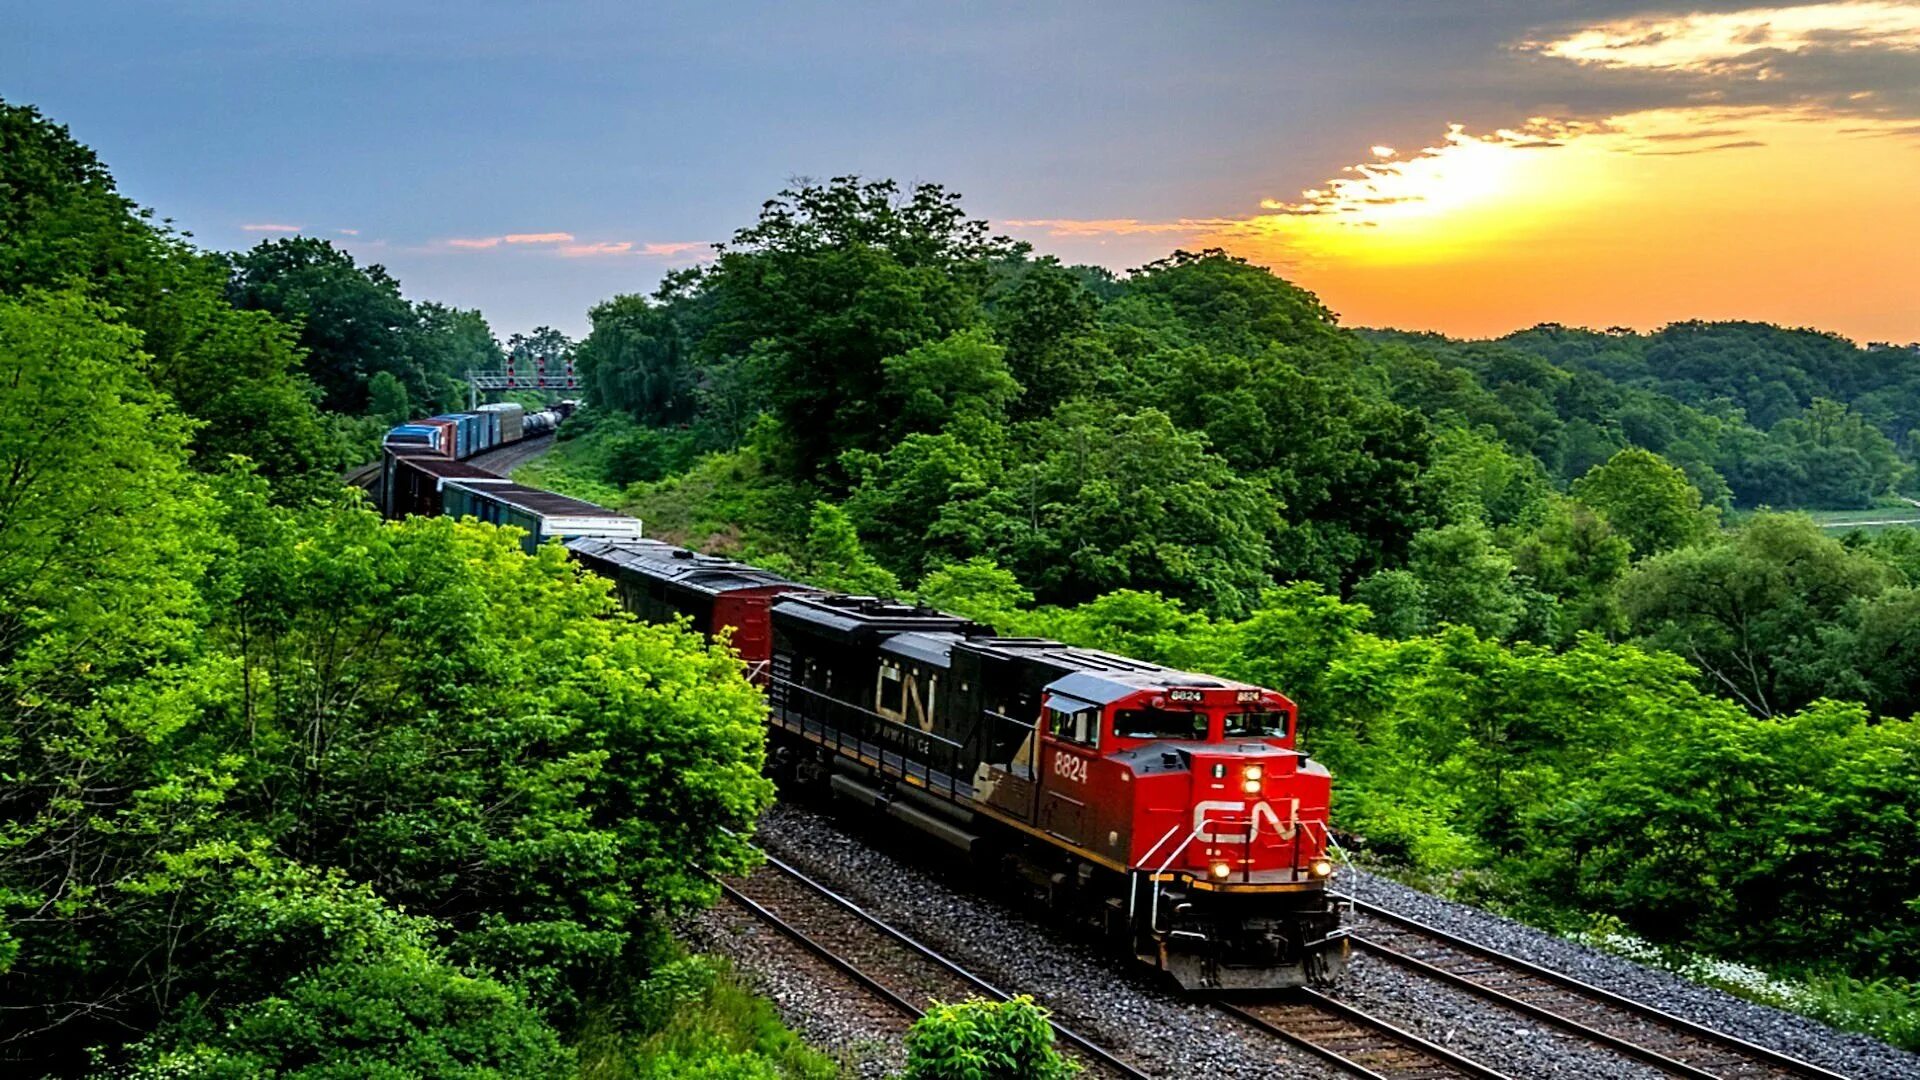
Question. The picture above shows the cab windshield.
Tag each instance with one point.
(1256, 725)
(1160, 724)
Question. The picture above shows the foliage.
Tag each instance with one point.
(1757, 611)
(64, 226)
(354, 325)
(985, 1040)
(1649, 502)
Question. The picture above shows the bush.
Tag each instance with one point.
(985, 1040)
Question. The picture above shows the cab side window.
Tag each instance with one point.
(1082, 727)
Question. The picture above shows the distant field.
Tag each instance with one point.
(1871, 519)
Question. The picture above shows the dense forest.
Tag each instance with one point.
(293, 790)
(1543, 600)
(289, 790)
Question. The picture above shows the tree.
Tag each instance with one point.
(63, 225)
(833, 279)
(961, 375)
(1647, 500)
(985, 1040)
(1575, 556)
(1048, 319)
(352, 320)
(636, 360)
(1752, 608)
(387, 399)
(1466, 579)
(832, 557)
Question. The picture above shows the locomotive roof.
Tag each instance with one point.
(662, 561)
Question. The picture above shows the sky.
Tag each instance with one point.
(1470, 168)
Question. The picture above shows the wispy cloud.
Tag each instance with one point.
(672, 248)
(1723, 40)
(598, 247)
(348, 232)
(270, 227)
(1066, 227)
(568, 246)
(481, 243)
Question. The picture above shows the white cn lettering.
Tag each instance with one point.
(1262, 811)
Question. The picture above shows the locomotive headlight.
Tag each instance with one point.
(1320, 867)
(1254, 772)
(1251, 787)
(1221, 870)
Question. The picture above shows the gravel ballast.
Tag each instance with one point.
(1789, 1033)
(1167, 1034)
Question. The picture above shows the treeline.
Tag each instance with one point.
(1502, 578)
(286, 789)
(291, 354)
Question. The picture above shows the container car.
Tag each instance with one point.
(542, 514)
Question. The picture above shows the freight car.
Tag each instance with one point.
(542, 515)
(1169, 810)
(660, 582)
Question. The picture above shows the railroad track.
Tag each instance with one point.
(503, 460)
(902, 972)
(1633, 1029)
(1356, 1042)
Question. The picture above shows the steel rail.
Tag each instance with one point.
(1084, 1046)
(1429, 1054)
(1765, 1056)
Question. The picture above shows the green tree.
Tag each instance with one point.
(961, 375)
(832, 557)
(1753, 609)
(387, 399)
(1575, 556)
(636, 360)
(985, 1040)
(829, 282)
(1647, 500)
(1466, 579)
(352, 320)
(64, 225)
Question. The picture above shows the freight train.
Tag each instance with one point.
(424, 471)
(1170, 811)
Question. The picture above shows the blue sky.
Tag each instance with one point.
(399, 129)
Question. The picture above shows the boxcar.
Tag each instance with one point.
(659, 581)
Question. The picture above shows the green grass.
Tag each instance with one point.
(703, 1024)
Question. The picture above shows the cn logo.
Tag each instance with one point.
(1262, 812)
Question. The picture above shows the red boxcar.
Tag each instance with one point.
(658, 582)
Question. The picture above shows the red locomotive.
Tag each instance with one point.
(1168, 809)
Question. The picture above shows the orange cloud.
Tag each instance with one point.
(1713, 41)
(538, 238)
(1797, 220)
(671, 248)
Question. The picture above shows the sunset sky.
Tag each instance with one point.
(1470, 168)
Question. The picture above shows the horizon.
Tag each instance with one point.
(1449, 169)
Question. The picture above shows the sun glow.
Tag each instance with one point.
(1640, 219)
